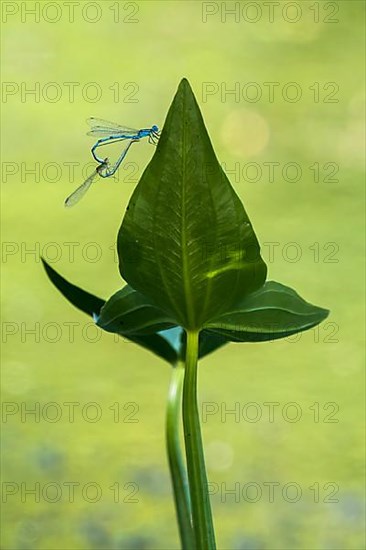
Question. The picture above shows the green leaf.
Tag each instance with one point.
(156, 344)
(130, 312)
(210, 341)
(86, 302)
(274, 311)
(167, 344)
(90, 304)
(186, 242)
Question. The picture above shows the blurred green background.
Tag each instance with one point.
(123, 61)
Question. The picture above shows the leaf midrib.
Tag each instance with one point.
(185, 255)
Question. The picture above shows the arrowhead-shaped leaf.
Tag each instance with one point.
(186, 242)
(274, 311)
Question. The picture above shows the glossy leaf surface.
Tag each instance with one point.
(186, 241)
(274, 311)
(128, 311)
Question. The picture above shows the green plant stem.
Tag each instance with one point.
(200, 501)
(176, 458)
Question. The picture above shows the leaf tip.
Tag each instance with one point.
(324, 313)
(184, 86)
